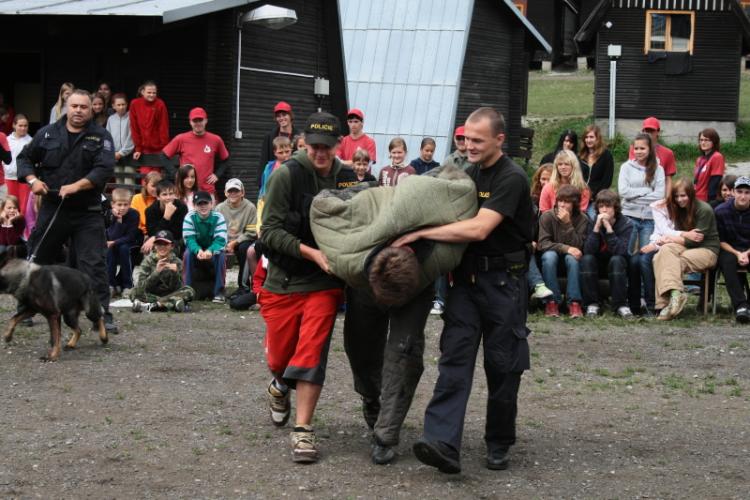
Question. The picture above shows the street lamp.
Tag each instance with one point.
(270, 16)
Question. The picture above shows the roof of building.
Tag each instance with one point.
(168, 10)
(586, 34)
(403, 64)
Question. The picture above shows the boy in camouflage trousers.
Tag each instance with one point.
(158, 280)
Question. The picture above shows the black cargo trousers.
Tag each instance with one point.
(488, 307)
(85, 230)
(385, 348)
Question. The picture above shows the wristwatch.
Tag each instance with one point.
(32, 181)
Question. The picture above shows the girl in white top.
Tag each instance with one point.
(17, 140)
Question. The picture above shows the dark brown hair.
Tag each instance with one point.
(712, 135)
(568, 192)
(599, 145)
(609, 198)
(651, 163)
(180, 177)
(394, 276)
(683, 218)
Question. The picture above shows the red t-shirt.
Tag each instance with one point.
(199, 151)
(665, 156)
(705, 168)
(349, 146)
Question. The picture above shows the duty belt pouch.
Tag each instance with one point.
(517, 262)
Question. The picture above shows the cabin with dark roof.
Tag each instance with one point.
(200, 53)
(679, 62)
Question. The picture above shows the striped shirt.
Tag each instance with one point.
(204, 234)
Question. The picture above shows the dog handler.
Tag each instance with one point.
(487, 303)
(68, 163)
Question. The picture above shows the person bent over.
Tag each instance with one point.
(205, 234)
(605, 254)
(562, 232)
(299, 298)
(158, 279)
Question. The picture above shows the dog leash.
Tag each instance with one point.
(32, 257)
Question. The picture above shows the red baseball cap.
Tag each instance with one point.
(459, 131)
(652, 123)
(198, 113)
(356, 112)
(282, 106)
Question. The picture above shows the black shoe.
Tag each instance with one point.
(109, 324)
(742, 315)
(382, 454)
(370, 410)
(498, 460)
(436, 454)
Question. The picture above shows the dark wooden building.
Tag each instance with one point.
(495, 71)
(557, 21)
(680, 63)
(193, 59)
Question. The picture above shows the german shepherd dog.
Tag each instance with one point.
(57, 293)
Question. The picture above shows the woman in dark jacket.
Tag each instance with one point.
(597, 164)
(568, 140)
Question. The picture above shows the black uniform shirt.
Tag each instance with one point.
(504, 188)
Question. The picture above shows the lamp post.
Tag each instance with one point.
(614, 52)
(270, 16)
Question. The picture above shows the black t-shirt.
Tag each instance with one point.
(504, 188)
(72, 136)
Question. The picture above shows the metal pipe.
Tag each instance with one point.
(612, 100)
(237, 131)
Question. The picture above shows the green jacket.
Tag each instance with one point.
(273, 234)
(204, 234)
(705, 221)
(348, 225)
(146, 279)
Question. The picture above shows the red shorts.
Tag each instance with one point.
(298, 331)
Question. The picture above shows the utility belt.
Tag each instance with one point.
(513, 262)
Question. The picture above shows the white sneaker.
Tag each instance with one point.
(541, 292)
(624, 312)
(437, 308)
(592, 311)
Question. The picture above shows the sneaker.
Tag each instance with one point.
(219, 299)
(179, 305)
(498, 460)
(676, 304)
(541, 292)
(574, 310)
(382, 454)
(551, 310)
(437, 308)
(109, 324)
(304, 449)
(592, 311)
(139, 306)
(624, 312)
(280, 405)
(665, 314)
(742, 315)
(28, 322)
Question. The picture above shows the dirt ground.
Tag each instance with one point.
(174, 407)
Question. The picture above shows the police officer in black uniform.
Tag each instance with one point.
(487, 303)
(68, 163)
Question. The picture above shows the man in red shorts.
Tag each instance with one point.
(200, 149)
(300, 297)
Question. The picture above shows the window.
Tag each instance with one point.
(670, 31)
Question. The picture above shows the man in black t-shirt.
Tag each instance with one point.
(488, 302)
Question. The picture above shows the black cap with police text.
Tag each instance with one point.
(201, 197)
(322, 128)
(164, 235)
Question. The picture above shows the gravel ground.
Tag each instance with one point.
(174, 407)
